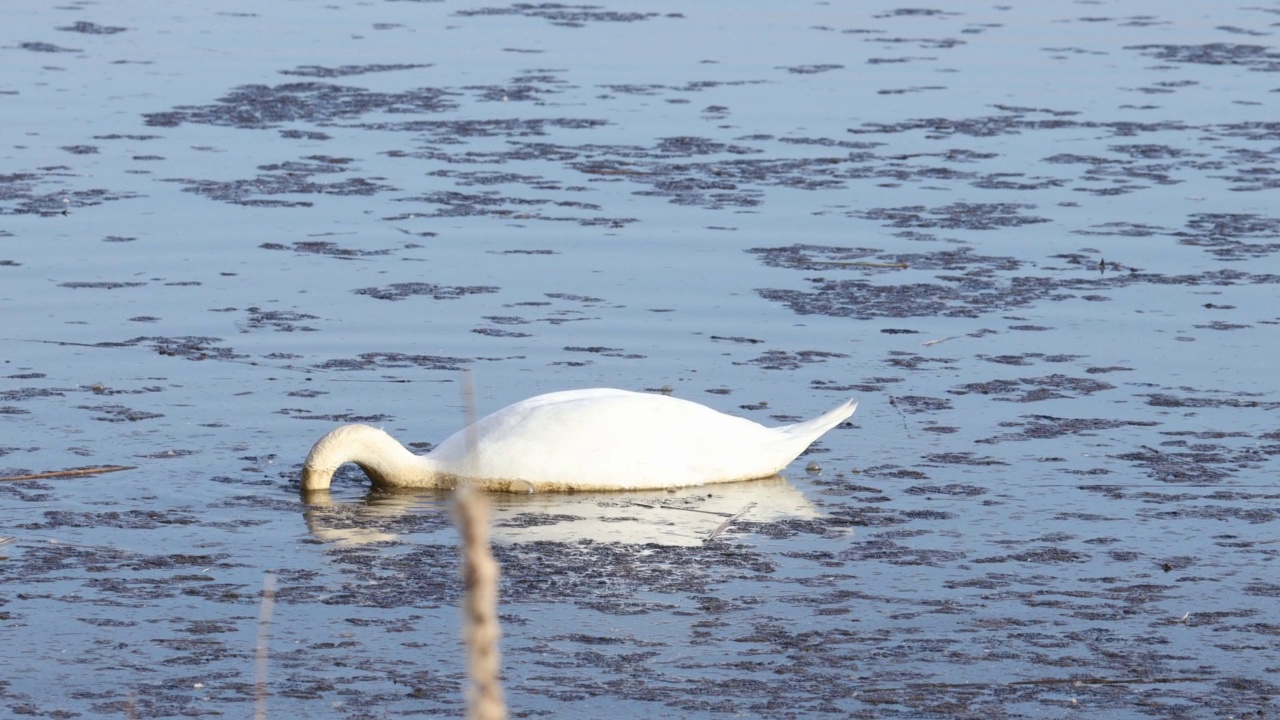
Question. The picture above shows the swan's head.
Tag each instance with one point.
(316, 479)
(376, 452)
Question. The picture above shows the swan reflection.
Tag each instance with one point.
(686, 516)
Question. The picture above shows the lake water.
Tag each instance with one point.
(1037, 241)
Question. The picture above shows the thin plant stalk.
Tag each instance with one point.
(262, 654)
(480, 608)
(480, 628)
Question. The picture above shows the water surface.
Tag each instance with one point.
(1036, 241)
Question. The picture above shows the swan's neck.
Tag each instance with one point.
(383, 459)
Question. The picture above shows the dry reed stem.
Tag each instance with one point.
(480, 627)
(68, 473)
(480, 608)
(261, 654)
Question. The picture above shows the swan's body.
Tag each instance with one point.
(597, 439)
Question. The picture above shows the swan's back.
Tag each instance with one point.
(614, 439)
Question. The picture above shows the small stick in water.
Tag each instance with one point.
(73, 472)
(729, 520)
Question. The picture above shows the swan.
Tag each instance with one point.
(578, 440)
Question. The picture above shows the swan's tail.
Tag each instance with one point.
(814, 429)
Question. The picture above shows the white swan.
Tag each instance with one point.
(596, 439)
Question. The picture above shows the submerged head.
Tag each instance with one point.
(316, 478)
(376, 452)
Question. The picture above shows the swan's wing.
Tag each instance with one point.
(611, 439)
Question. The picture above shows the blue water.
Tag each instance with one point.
(1066, 504)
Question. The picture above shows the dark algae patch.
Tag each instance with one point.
(401, 291)
(968, 285)
(560, 14)
(266, 106)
